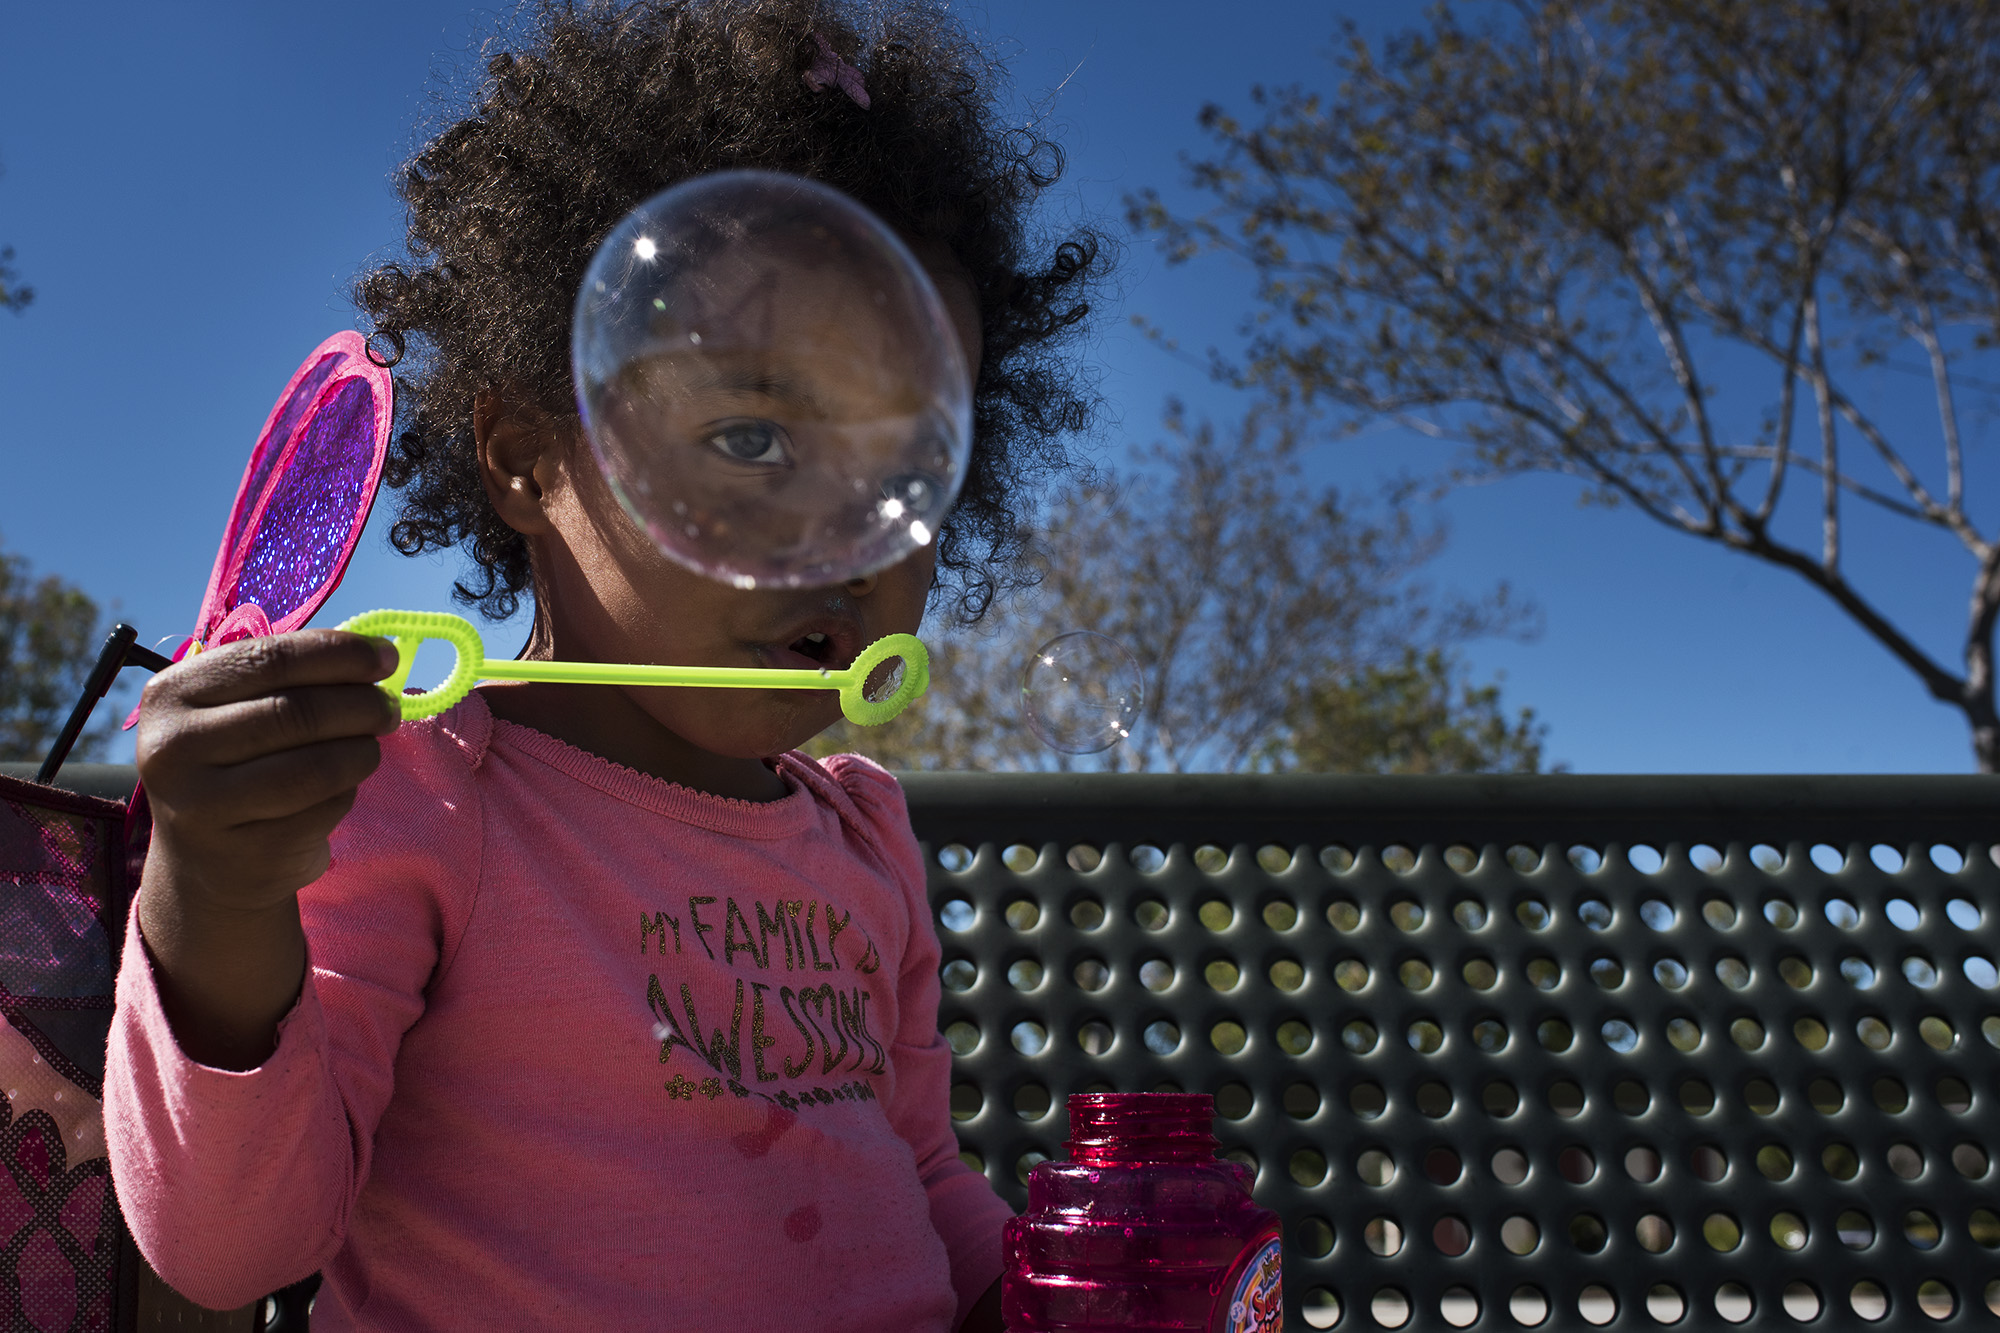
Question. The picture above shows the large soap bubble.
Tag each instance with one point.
(771, 382)
(1081, 692)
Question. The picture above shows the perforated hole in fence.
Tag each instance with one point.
(1734, 1302)
(1722, 1056)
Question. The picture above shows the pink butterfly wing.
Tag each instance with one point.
(305, 495)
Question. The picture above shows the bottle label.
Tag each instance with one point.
(1253, 1300)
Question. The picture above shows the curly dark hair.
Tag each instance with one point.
(604, 105)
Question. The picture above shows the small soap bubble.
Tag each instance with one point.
(770, 382)
(1081, 692)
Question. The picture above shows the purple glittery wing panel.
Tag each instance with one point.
(315, 498)
(314, 510)
(300, 392)
(285, 418)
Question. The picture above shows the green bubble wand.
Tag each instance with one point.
(408, 630)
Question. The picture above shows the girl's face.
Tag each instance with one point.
(605, 593)
(779, 384)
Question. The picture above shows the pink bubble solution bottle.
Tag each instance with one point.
(1143, 1230)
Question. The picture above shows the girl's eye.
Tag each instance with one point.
(751, 441)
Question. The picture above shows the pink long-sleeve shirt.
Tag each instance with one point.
(578, 1047)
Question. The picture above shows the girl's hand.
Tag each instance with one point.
(251, 753)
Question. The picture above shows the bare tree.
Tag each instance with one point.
(1250, 605)
(1557, 237)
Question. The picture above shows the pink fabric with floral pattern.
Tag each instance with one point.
(62, 902)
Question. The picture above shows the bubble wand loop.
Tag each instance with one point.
(409, 629)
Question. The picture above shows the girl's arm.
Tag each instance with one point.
(253, 1049)
(250, 754)
(965, 1211)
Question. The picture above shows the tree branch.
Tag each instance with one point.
(1828, 445)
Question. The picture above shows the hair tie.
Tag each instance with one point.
(830, 71)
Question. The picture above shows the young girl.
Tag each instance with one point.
(581, 1005)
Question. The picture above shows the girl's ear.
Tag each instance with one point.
(519, 456)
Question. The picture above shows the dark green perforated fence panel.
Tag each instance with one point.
(1559, 1052)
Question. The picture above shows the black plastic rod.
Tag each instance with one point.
(111, 658)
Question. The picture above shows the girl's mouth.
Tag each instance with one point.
(815, 646)
(832, 648)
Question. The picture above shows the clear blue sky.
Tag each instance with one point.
(191, 187)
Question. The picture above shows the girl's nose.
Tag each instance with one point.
(862, 586)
